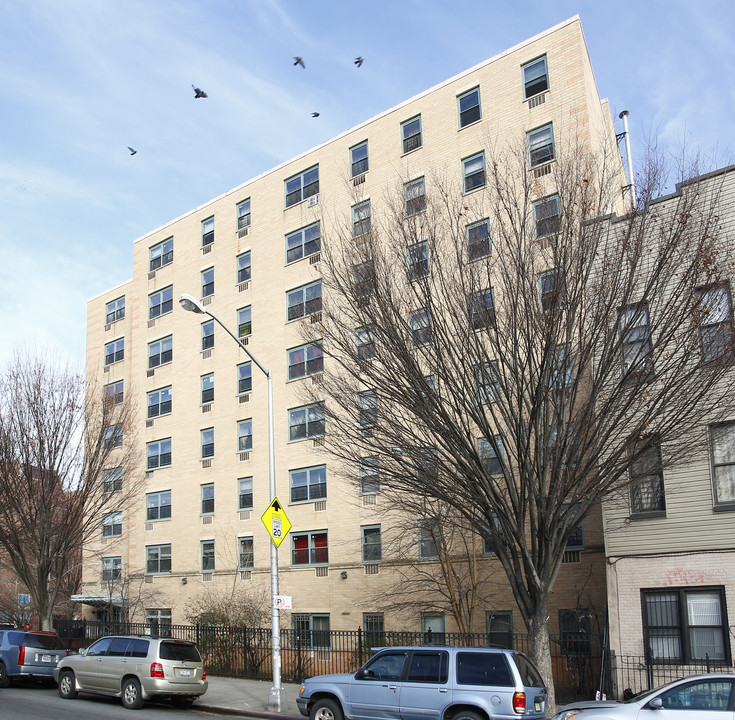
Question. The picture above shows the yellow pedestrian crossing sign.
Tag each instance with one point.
(276, 522)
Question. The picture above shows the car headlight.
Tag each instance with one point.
(565, 714)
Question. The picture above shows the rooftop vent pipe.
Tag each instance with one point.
(628, 158)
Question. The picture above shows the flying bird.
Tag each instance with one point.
(359, 61)
(298, 61)
(132, 150)
(315, 114)
(198, 92)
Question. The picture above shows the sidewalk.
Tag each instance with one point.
(247, 698)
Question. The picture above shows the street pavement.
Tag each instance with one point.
(248, 698)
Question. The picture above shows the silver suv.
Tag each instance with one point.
(429, 683)
(135, 669)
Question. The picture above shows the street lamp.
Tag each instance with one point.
(277, 697)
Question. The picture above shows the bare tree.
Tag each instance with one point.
(520, 352)
(66, 459)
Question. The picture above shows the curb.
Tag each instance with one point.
(245, 713)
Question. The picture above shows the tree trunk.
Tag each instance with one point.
(541, 652)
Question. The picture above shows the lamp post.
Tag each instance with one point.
(276, 698)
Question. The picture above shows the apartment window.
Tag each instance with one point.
(482, 309)
(411, 134)
(574, 632)
(160, 352)
(373, 625)
(306, 422)
(361, 219)
(112, 524)
(245, 493)
(305, 360)
(244, 322)
(113, 437)
(207, 497)
(550, 290)
(112, 480)
(312, 631)
(159, 621)
(115, 310)
(575, 541)
(547, 216)
(309, 548)
(243, 267)
(635, 339)
(158, 454)
(685, 625)
(363, 275)
(243, 214)
(420, 324)
(491, 455)
(499, 627)
(301, 186)
(207, 388)
(207, 334)
(245, 435)
(207, 282)
(414, 196)
(207, 548)
(417, 260)
(562, 366)
(367, 409)
(114, 392)
(161, 302)
(158, 505)
(429, 539)
(492, 536)
(359, 159)
(111, 569)
(722, 444)
(207, 442)
(469, 107)
(114, 351)
(473, 172)
(478, 240)
(647, 483)
(369, 475)
(161, 254)
(365, 343)
(157, 559)
(487, 382)
(308, 484)
(304, 242)
(426, 460)
(159, 402)
(715, 323)
(541, 145)
(244, 377)
(304, 300)
(535, 77)
(246, 553)
(371, 543)
(207, 231)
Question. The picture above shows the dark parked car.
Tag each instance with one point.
(29, 654)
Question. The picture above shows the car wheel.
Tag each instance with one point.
(466, 715)
(67, 685)
(132, 698)
(4, 679)
(183, 703)
(326, 709)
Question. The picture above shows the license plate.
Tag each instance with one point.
(185, 672)
(46, 658)
(537, 706)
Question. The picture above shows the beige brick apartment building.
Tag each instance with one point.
(252, 255)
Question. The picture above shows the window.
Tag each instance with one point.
(482, 309)
(550, 290)
(243, 267)
(722, 444)
(574, 632)
(547, 216)
(309, 548)
(161, 254)
(299, 187)
(157, 559)
(304, 300)
(158, 454)
(417, 260)
(429, 539)
(207, 387)
(244, 322)
(414, 196)
(207, 231)
(361, 218)
(493, 536)
(499, 624)
(365, 343)
(433, 626)
(308, 484)
(207, 547)
(159, 402)
(575, 541)
(207, 282)
(363, 275)
(243, 214)
(371, 543)
(487, 382)
(306, 422)
(246, 553)
(469, 107)
(491, 455)
(245, 435)
(473, 172)
(373, 625)
(114, 392)
(562, 366)
(685, 625)
(411, 134)
(112, 524)
(115, 310)
(421, 332)
(426, 460)
(113, 437)
(207, 334)
(245, 493)
(647, 482)
(367, 409)
(159, 621)
(207, 443)
(535, 77)
(114, 351)
(311, 631)
(478, 240)
(160, 352)
(161, 302)
(541, 145)
(111, 569)
(244, 377)
(304, 242)
(158, 505)
(388, 666)
(715, 323)
(207, 492)
(359, 159)
(708, 694)
(112, 480)
(369, 475)
(305, 360)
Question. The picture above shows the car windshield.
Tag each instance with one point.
(180, 651)
(47, 642)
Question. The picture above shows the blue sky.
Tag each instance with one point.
(83, 79)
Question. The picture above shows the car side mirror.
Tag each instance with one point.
(360, 674)
(656, 703)
(82, 651)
